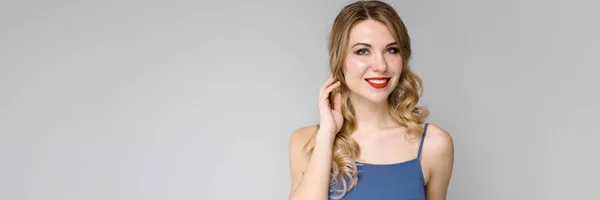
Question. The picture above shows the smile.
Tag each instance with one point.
(378, 82)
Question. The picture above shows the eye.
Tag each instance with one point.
(393, 50)
(361, 51)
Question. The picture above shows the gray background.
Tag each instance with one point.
(149, 100)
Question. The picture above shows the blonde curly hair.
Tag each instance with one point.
(403, 100)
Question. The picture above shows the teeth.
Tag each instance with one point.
(378, 81)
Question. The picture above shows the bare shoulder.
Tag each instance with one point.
(301, 136)
(438, 141)
(437, 159)
(297, 141)
(298, 158)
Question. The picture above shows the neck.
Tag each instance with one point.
(371, 115)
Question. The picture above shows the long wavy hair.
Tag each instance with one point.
(402, 101)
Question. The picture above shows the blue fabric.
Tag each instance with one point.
(398, 181)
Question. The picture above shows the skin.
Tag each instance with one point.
(372, 53)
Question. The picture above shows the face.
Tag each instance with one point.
(373, 64)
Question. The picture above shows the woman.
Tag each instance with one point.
(372, 141)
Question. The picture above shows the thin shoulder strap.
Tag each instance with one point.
(422, 139)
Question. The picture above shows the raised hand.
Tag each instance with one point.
(331, 119)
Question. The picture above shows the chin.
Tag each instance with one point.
(374, 97)
(378, 98)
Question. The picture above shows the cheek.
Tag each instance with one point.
(395, 64)
(356, 66)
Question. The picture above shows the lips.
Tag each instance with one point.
(378, 82)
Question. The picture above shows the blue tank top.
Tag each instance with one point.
(399, 181)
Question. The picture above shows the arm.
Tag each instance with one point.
(310, 176)
(439, 159)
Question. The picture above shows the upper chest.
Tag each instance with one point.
(386, 146)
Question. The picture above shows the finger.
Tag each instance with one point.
(329, 89)
(324, 107)
(327, 83)
(337, 102)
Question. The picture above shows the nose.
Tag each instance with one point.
(379, 64)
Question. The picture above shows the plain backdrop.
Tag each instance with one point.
(149, 100)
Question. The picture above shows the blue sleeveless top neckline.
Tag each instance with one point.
(400, 181)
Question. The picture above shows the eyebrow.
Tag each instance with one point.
(369, 45)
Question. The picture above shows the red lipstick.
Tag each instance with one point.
(378, 82)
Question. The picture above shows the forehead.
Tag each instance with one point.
(371, 32)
